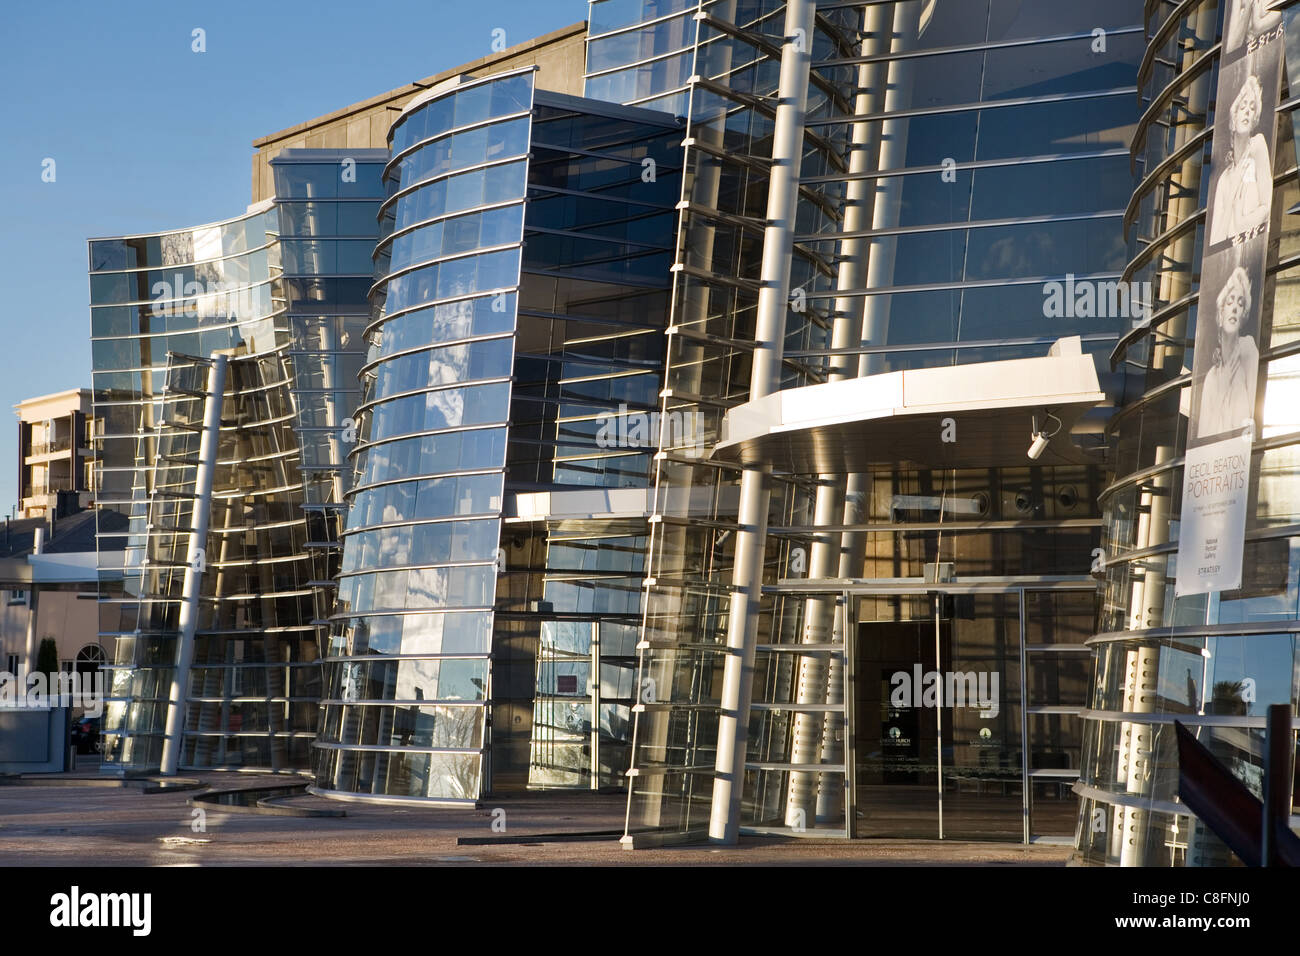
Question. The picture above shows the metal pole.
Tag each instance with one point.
(1026, 793)
(850, 751)
(1279, 751)
(938, 709)
(194, 562)
(859, 201)
(595, 705)
(31, 652)
(769, 332)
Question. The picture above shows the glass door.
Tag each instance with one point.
(896, 737)
(938, 696)
(983, 795)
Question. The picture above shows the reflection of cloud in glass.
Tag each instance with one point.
(417, 680)
(449, 365)
(453, 320)
(427, 587)
(449, 404)
(394, 546)
(422, 633)
(1282, 397)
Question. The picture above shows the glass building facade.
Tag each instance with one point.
(328, 207)
(1213, 661)
(282, 293)
(956, 158)
(603, 182)
(522, 266)
(642, 52)
(407, 666)
(161, 306)
(480, 518)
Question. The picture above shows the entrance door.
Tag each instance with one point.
(953, 710)
(897, 743)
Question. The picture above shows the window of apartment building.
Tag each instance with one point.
(17, 596)
(90, 659)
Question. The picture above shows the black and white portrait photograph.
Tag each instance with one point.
(1247, 20)
(1243, 189)
(1226, 395)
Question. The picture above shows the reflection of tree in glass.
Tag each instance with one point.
(1227, 699)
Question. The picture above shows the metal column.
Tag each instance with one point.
(1026, 782)
(938, 710)
(194, 561)
(595, 705)
(838, 497)
(755, 492)
(32, 649)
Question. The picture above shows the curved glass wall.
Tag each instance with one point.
(160, 306)
(407, 672)
(1213, 661)
(576, 320)
(328, 205)
(642, 52)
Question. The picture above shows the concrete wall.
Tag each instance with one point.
(34, 739)
(560, 57)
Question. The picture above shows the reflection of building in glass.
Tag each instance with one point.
(328, 203)
(161, 307)
(481, 396)
(643, 53)
(1212, 661)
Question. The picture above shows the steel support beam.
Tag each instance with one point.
(755, 490)
(209, 441)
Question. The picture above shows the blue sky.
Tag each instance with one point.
(148, 135)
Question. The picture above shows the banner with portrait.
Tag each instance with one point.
(1222, 424)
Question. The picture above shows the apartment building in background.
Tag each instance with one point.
(54, 434)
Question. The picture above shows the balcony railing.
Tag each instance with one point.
(45, 448)
(36, 491)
